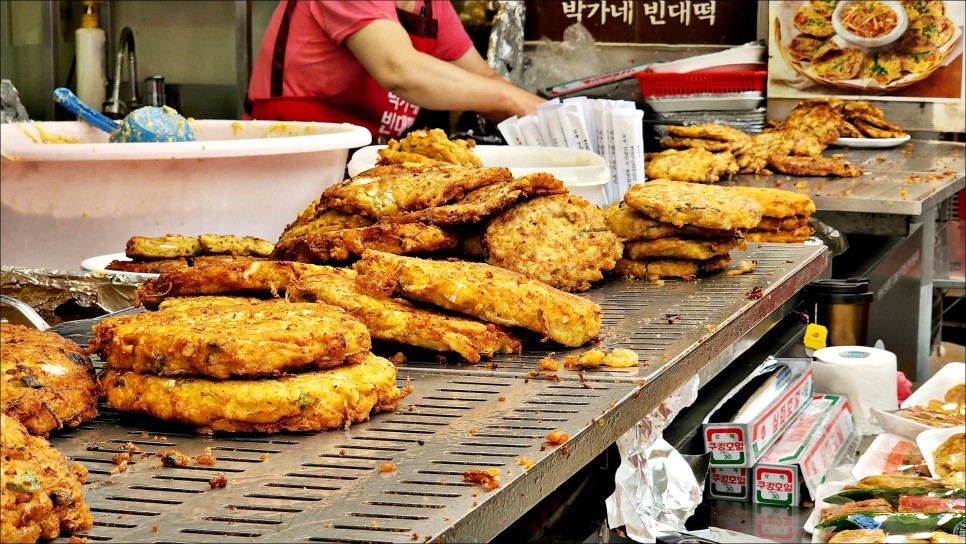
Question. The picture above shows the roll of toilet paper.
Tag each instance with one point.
(866, 375)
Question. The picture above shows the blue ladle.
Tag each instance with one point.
(147, 124)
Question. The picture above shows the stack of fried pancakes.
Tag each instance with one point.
(47, 383)
(429, 194)
(679, 229)
(784, 216)
(239, 364)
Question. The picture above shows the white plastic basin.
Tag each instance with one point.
(67, 194)
(584, 173)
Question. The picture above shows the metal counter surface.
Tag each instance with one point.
(899, 183)
(332, 486)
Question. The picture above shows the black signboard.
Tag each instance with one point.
(712, 22)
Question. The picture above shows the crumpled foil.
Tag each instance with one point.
(576, 56)
(656, 489)
(505, 49)
(65, 295)
(12, 110)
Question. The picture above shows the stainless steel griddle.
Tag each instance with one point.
(331, 487)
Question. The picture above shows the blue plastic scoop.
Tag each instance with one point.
(147, 124)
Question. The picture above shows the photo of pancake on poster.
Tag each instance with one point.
(867, 47)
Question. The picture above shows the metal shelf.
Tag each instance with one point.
(330, 487)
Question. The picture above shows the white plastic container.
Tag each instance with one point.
(584, 173)
(67, 194)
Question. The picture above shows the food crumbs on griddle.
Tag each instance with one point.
(555, 438)
(756, 293)
(154, 528)
(123, 457)
(173, 458)
(206, 460)
(131, 447)
(420, 442)
(485, 477)
(501, 399)
(473, 430)
(74, 539)
(672, 318)
(744, 267)
(387, 467)
(415, 537)
(263, 457)
(398, 358)
(548, 363)
(525, 462)
(565, 450)
(476, 493)
(218, 482)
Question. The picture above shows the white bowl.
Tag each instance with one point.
(584, 173)
(68, 194)
(872, 43)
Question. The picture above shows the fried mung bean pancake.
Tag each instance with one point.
(936, 29)
(396, 320)
(392, 189)
(629, 224)
(950, 457)
(916, 53)
(483, 291)
(221, 244)
(432, 144)
(813, 22)
(785, 223)
(481, 203)
(341, 245)
(653, 269)
(807, 48)
(785, 236)
(41, 494)
(705, 206)
(267, 276)
(814, 166)
(687, 143)
(695, 165)
(223, 337)
(709, 131)
(147, 267)
(839, 64)
(682, 248)
(778, 203)
(391, 319)
(918, 8)
(47, 381)
(169, 246)
(561, 240)
(884, 66)
(317, 218)
(314, 400)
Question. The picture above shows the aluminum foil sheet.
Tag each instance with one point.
(65, 295)
(505, 49)
(12, 108)
(656, 488)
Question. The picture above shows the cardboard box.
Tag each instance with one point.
(792, 469)
(739, 444)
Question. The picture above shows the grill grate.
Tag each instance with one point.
(330, 487)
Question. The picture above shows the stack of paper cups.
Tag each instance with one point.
(866, 375)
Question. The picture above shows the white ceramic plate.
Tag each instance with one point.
(871, 143)
(98, 264)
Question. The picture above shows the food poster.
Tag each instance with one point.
(887, 50)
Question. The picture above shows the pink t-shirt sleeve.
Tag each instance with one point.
(342, 19)
(453, 39)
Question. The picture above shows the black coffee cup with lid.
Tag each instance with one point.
(841, 306)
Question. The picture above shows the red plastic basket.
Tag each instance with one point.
(669, 84)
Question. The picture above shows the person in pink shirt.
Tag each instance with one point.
(374, 63)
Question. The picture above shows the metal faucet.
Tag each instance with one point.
(115, 107)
